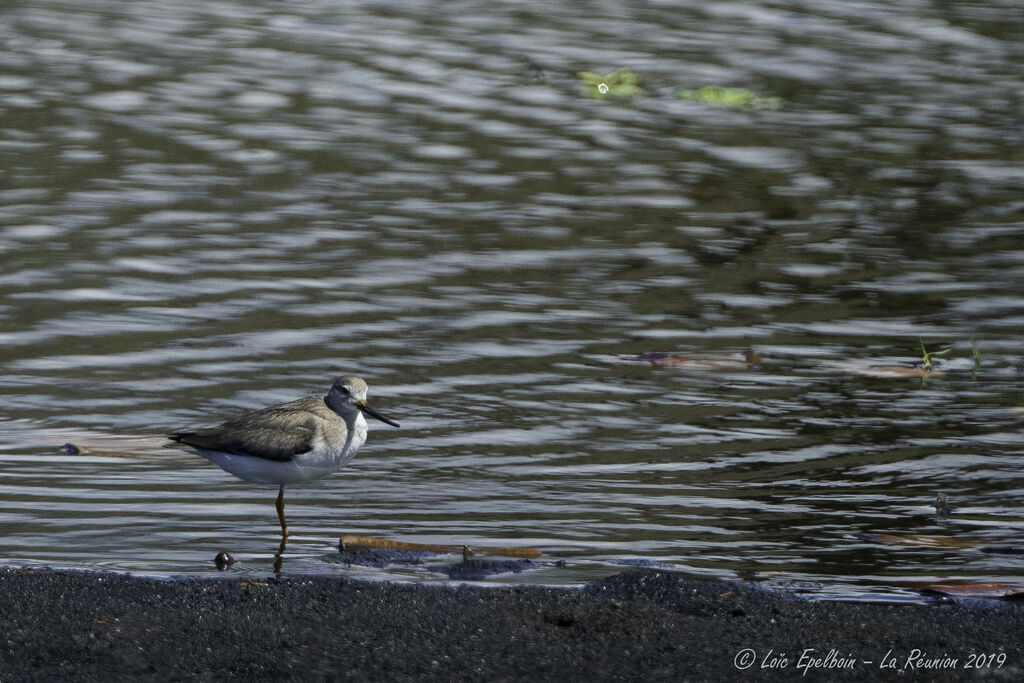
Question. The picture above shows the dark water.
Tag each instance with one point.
(209, 209)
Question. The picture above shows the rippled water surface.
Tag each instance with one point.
(211, 208)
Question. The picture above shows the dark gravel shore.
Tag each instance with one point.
(640, 625)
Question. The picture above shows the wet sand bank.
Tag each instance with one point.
(639, 625)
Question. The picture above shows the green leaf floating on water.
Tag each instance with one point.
(621, 83)
(732, 98)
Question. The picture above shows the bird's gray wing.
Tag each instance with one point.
(277, 433)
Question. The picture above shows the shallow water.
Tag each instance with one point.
(206, 210)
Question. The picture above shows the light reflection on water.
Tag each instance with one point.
(212, 210)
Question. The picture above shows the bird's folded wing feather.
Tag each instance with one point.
(273, 434)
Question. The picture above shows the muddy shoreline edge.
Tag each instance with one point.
(637, 625)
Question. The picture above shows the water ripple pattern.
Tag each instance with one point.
(207, 208)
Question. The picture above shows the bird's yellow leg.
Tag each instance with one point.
(280, 512)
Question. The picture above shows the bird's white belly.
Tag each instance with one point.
(315, 464)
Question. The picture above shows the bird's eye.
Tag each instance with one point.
(346, 389)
